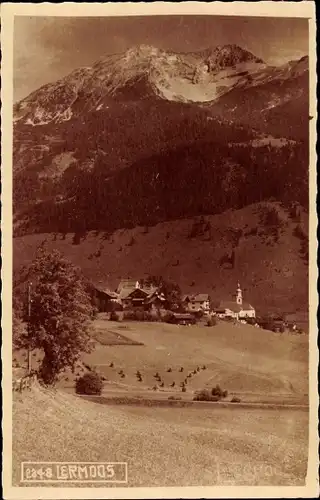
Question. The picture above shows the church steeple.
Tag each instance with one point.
(239, 295)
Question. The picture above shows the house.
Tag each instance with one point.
(155, 301)
(136, 298)
(132, 295)
(125, 288)
(104, 299)
(196, 303)
(237, 309)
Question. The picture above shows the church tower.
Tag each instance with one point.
(239, 295)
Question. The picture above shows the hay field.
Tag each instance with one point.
(256, 364)
(163, 446)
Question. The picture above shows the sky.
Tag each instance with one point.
(49, 48)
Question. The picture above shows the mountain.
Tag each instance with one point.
(145, 72)
(151, 136)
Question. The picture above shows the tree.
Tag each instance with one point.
(60, 314)
(170, 290)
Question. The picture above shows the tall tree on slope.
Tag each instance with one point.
(59, 314)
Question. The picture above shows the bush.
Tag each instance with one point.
(204, 395)
(217, 391)
(174, 398)
(167, 318)
(212, 321)
(90, 383)
(198, 314)
(251, 321)
(129, 315)
(114, 316)
(235, 400)
(152, 316)
(140, 315)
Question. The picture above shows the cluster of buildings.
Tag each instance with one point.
(130, 295)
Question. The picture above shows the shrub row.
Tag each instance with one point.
(216, 394)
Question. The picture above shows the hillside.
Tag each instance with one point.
(270, 255)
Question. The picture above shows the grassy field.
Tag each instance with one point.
(163, 446)
(256, 365)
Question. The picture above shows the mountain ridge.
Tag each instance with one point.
(187, 77)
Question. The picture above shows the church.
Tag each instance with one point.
(237, 308)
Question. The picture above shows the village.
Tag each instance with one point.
(134, 299)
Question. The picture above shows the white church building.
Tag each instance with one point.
(237, 309)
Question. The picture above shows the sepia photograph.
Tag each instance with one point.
(159, 250)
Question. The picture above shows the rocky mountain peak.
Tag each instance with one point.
(143, 51)
(229, 55)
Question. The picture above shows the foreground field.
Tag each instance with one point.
(170, 446)
(163, 446)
